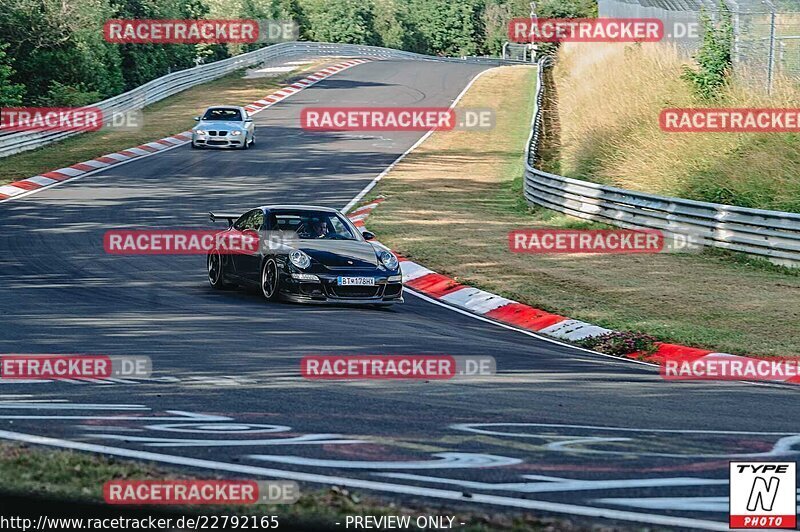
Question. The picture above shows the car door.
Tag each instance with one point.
(236, 233)
(250, 263)
(249, 126)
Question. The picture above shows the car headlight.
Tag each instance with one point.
(389, 260)
(199, 131)
(236, 133)
(305, 277)
(299, 259)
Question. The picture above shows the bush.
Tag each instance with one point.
(62, 95)
(714, 58)
(621, 343)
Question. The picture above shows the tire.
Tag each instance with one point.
(216, 275)
(195, 146)
(269, 289)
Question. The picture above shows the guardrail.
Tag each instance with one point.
(773, 235)
(171, 84)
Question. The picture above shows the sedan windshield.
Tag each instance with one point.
(308, 225)
(223, 114)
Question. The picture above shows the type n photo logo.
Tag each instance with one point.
(763, 495)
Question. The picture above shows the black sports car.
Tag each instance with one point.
(306, 254)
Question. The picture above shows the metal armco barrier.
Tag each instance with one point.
(773, 235)
(173, 83)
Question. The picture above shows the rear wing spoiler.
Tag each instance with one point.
(214, 216)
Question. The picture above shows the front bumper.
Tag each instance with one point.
(327, 290)
(221, 139)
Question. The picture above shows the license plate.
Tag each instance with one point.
(356, 281)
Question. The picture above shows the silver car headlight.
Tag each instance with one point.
(236, 133)
(199, 131)
(388, 260)
(299, 259)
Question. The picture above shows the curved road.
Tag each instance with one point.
(559, 430)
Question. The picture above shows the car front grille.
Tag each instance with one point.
(349, 292)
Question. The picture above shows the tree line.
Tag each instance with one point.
(53, 53)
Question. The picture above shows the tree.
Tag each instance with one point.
(60, 40)
(11, 94)
(449, 28)
(344, 21)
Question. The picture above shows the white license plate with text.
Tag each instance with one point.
(356, 281)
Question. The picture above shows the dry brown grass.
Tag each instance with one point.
(451, 204)
(609, 100)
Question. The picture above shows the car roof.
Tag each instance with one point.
(298, 207)
(236, 107)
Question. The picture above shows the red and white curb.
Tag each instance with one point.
(40, 182)
(522, 316)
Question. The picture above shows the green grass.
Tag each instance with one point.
(451, 203)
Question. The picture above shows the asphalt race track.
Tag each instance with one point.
(559, 430)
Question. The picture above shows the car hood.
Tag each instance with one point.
(219, 125)
(340, 253)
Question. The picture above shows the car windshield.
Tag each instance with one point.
(308, 225)
(223, 114)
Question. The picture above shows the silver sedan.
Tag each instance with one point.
(224, 127)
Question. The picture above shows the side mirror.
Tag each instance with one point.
(367, 235)
(248, 119)
(197, 119)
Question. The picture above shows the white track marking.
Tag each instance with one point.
(445, 461)
(475, 300)
(30, 405)
(306, 439)
(574, 330)
(474, 427)
(11, 191)
(41, 180)
(474, 498)
(685, 504)
(564, 484)
(220, 428)
(176, 415)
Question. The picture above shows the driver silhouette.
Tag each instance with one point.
(319, 229)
